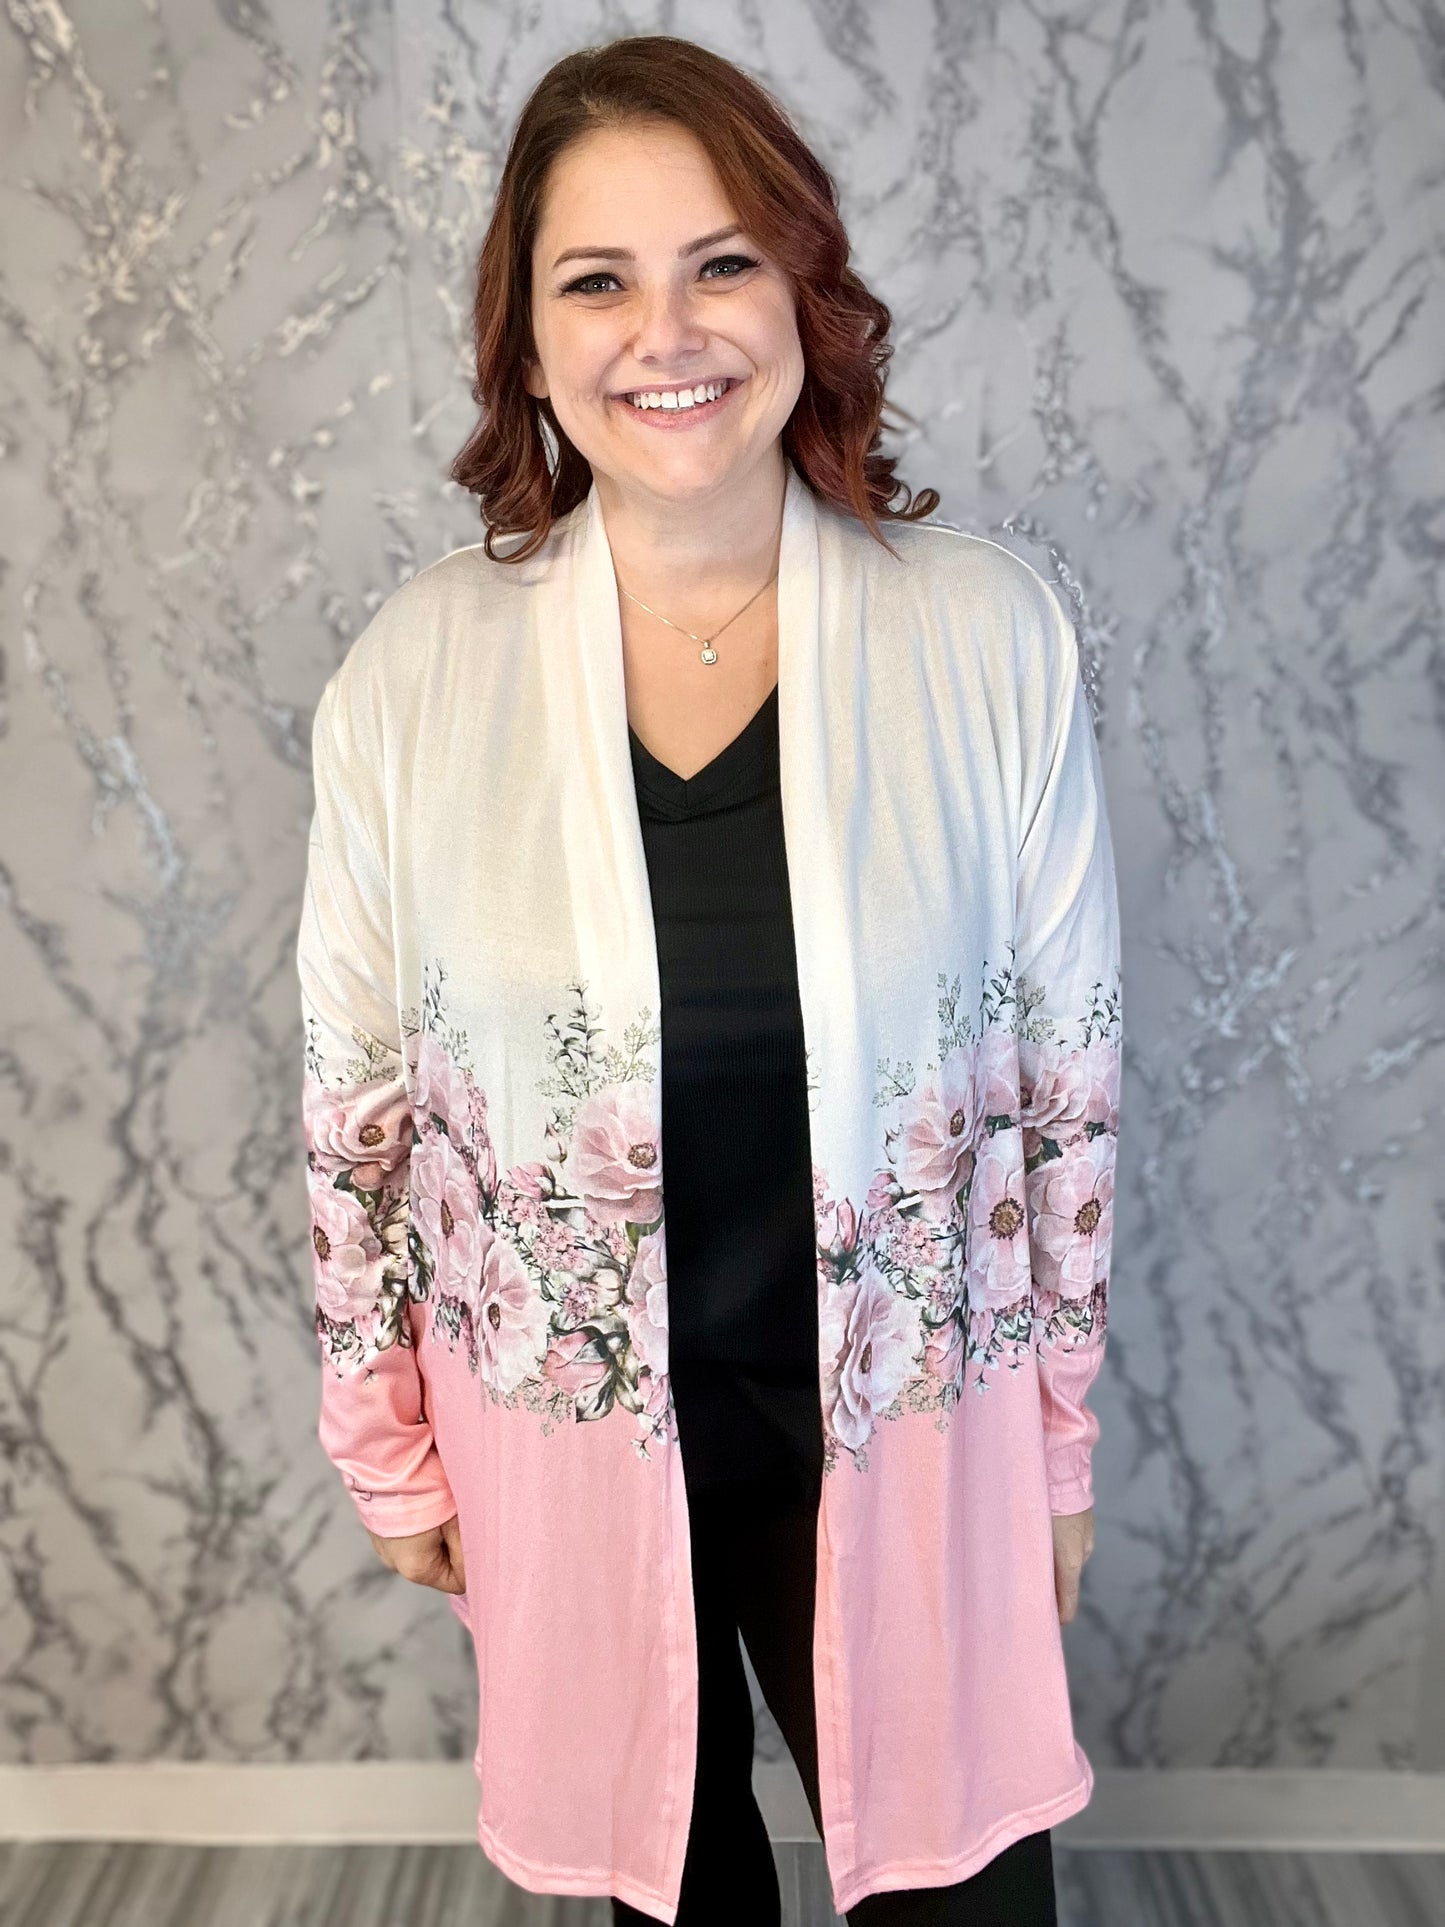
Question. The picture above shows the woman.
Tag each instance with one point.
(704, 747)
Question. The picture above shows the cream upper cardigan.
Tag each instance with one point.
(482, 1119)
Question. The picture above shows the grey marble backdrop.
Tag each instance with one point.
(1169, 306)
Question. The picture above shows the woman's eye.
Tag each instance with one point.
(588, 284)
(721, 260)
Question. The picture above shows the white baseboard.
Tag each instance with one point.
(436, 1801)
(1305, 1811)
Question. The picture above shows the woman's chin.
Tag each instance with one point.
(681, 473)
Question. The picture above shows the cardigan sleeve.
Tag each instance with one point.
(357, 1125)
(1067, 988)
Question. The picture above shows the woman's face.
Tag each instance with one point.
(638, 305)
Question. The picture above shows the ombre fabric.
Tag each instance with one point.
(482, 1114)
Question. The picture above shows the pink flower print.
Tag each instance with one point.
(444, 1212)
(347, 1253)
(486, 1165)
(390, 1224)
(510, 1319)
(943, 1352)
(996, 1074)
(913, 1243)
(361, 1128)
(647, 1303)
(577, 1365)
(534, 1179)
(884, 1191)
(1055, 1094)
(656, 1390)
(837, 1231)
(937, 1127)
(440, 1087)
(1072, 1198)
(554, 1245)
(869, 1336)
(1101, 1068)
(617, 1154)
(477, 1103)
(998, 1243)
(469, 1127)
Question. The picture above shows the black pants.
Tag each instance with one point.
(753, 1556)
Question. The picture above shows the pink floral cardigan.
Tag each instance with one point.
(484, 1160)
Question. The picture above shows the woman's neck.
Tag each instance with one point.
(696, 563)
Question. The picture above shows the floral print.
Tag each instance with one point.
(548, 1279)
(986, 1228)
(357, 1142)
(618, 1156)
(989, 1218)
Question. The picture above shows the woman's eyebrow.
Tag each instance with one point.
(625, 254)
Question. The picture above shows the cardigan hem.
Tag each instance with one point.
(891, 1875)
(593, 1882)
(888, 1877)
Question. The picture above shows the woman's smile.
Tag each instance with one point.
(673, 416)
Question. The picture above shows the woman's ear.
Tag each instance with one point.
(534, 380)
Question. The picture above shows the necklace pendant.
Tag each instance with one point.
(709, 655)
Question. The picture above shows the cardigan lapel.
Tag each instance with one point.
(821, 702)
(603, 863)
(604, 860)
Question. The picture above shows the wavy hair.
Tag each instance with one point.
(782, 195)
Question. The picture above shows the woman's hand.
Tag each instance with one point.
(1073, 1542)
(431, 1558)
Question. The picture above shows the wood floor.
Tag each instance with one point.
(93, 1884)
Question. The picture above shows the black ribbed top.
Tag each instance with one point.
(736, 1166)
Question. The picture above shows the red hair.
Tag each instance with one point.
(782, 195)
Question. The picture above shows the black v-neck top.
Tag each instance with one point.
(737, 1174)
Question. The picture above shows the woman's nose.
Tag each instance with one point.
(668, 325)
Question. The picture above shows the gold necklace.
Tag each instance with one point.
(709, 654)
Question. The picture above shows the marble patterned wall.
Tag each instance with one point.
(1169, 310)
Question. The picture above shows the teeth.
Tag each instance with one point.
(677, 398)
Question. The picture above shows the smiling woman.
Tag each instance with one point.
(694, 350)
(713, 1057)
(590, 291)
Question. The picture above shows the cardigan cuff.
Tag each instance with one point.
(426, 1502)
(1071, 1485)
